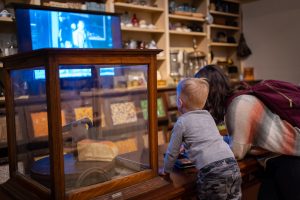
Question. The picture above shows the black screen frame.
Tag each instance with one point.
(24, 38)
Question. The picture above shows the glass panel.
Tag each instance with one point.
(31, 124)
(106, 131)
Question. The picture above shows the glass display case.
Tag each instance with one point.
(89, 121)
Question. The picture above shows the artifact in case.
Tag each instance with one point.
(84, 137)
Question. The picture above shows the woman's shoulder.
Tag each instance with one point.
(239, 95)
(244, 102)
(245, 97)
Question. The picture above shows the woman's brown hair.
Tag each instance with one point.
(219, 90)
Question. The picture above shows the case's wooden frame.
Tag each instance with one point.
(51, 59)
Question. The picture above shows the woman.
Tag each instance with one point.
(251, 123)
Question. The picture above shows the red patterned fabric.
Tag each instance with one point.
(250, 123)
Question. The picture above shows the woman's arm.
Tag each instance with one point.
(240, 150)
(241, 120)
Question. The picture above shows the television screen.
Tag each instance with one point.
(43, 27)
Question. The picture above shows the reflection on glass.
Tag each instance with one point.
(160, 108)
(106, 135)
(104, 128)
(31, 123)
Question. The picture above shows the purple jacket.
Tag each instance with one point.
(282, 98)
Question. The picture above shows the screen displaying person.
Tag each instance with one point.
(79, 36)
(65, 31)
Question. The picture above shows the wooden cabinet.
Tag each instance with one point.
(150, 27)
(66, 171)
(187, 23)
(224, 32)
(181, 26)
(7, 32)
(177, 25)
(173, 30)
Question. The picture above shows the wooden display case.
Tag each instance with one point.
(58, 172)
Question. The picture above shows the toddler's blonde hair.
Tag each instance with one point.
(193, 92)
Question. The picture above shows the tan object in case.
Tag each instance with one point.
(91, 150)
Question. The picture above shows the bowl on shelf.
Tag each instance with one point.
(5, 13)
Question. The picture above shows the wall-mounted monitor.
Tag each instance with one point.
(47, 27)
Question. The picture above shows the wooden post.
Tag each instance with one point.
(55, 130)
(11, 124)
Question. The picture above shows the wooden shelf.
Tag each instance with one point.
(6, 19)
(187, 33)
(226, 14)
(223, 44)
(188, 18)
(233, 1)
(138, 7)
(166, 39)
(161, 58)
(136, 29)
(224, 27)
